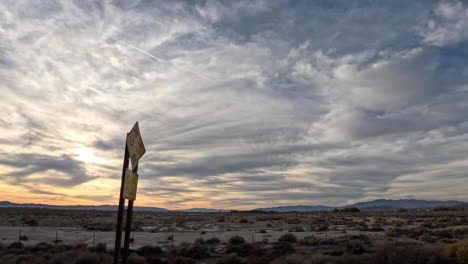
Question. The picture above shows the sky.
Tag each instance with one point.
(241, 104)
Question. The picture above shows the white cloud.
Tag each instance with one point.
(449, 24)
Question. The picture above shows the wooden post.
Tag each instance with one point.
(118, 232)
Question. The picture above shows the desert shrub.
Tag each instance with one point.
(243, 221)
(427, 238)
(350, 210)
(328, 241)
(41, 247)
(101, 247)
(80, 246)
(151, 253)
(288, 238)
(23, 238)
(58, 249)
(87, 258)
(409, 254)
(213, 240)
(259, 260)
(462, 255)
(230, 259)
(15, 245)
(23, 259)
(300, 259)
(200, 241)
(309, 241)
(283, 248)
(354, 247)
(235, 240)
(243, 249)
(376, 228)
(31, 222)
(297, 229)
(320, 228)
(136, 260)
(195, 251)
(457, 251)
(181, 260)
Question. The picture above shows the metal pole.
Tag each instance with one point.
(128, 228)
(19, 237)
(56, 236)
(118, 231)
(94, 237)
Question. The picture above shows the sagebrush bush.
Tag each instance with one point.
(236, 240)
(101, 247)
(288, 238)
(181, 260)
(230, 259)
(149, 250)
(462, 255)
(243, 249)
(213, 240)
(283, 248)
(136, 260)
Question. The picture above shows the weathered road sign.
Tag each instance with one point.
(136, 149)
(130, 185)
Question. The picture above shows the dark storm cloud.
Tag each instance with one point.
(29, 164)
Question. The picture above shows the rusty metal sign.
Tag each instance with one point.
(130, 185)
(135, 145)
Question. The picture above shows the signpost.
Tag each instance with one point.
(134, 150)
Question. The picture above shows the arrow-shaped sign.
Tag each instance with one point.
(136, 149)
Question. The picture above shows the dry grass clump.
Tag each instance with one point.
(230, 259)
(457, 251)
(288, 238)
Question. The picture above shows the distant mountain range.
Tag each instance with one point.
(375, 205)
(80, 207)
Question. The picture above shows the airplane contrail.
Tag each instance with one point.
(158, 59)
(140, 50)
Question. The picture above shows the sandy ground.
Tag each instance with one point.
(150, 228)
(35, 235)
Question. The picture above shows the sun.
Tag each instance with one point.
(87, 155)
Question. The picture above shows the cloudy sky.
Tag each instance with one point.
(241, 104)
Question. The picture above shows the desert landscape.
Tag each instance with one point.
(233, 132)
(236, 237)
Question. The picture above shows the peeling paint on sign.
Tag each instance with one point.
(135, 145)
(130, 185)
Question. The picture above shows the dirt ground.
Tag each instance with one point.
(156, 228)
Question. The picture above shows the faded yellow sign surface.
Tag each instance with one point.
(136, 149)
(130, 185)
